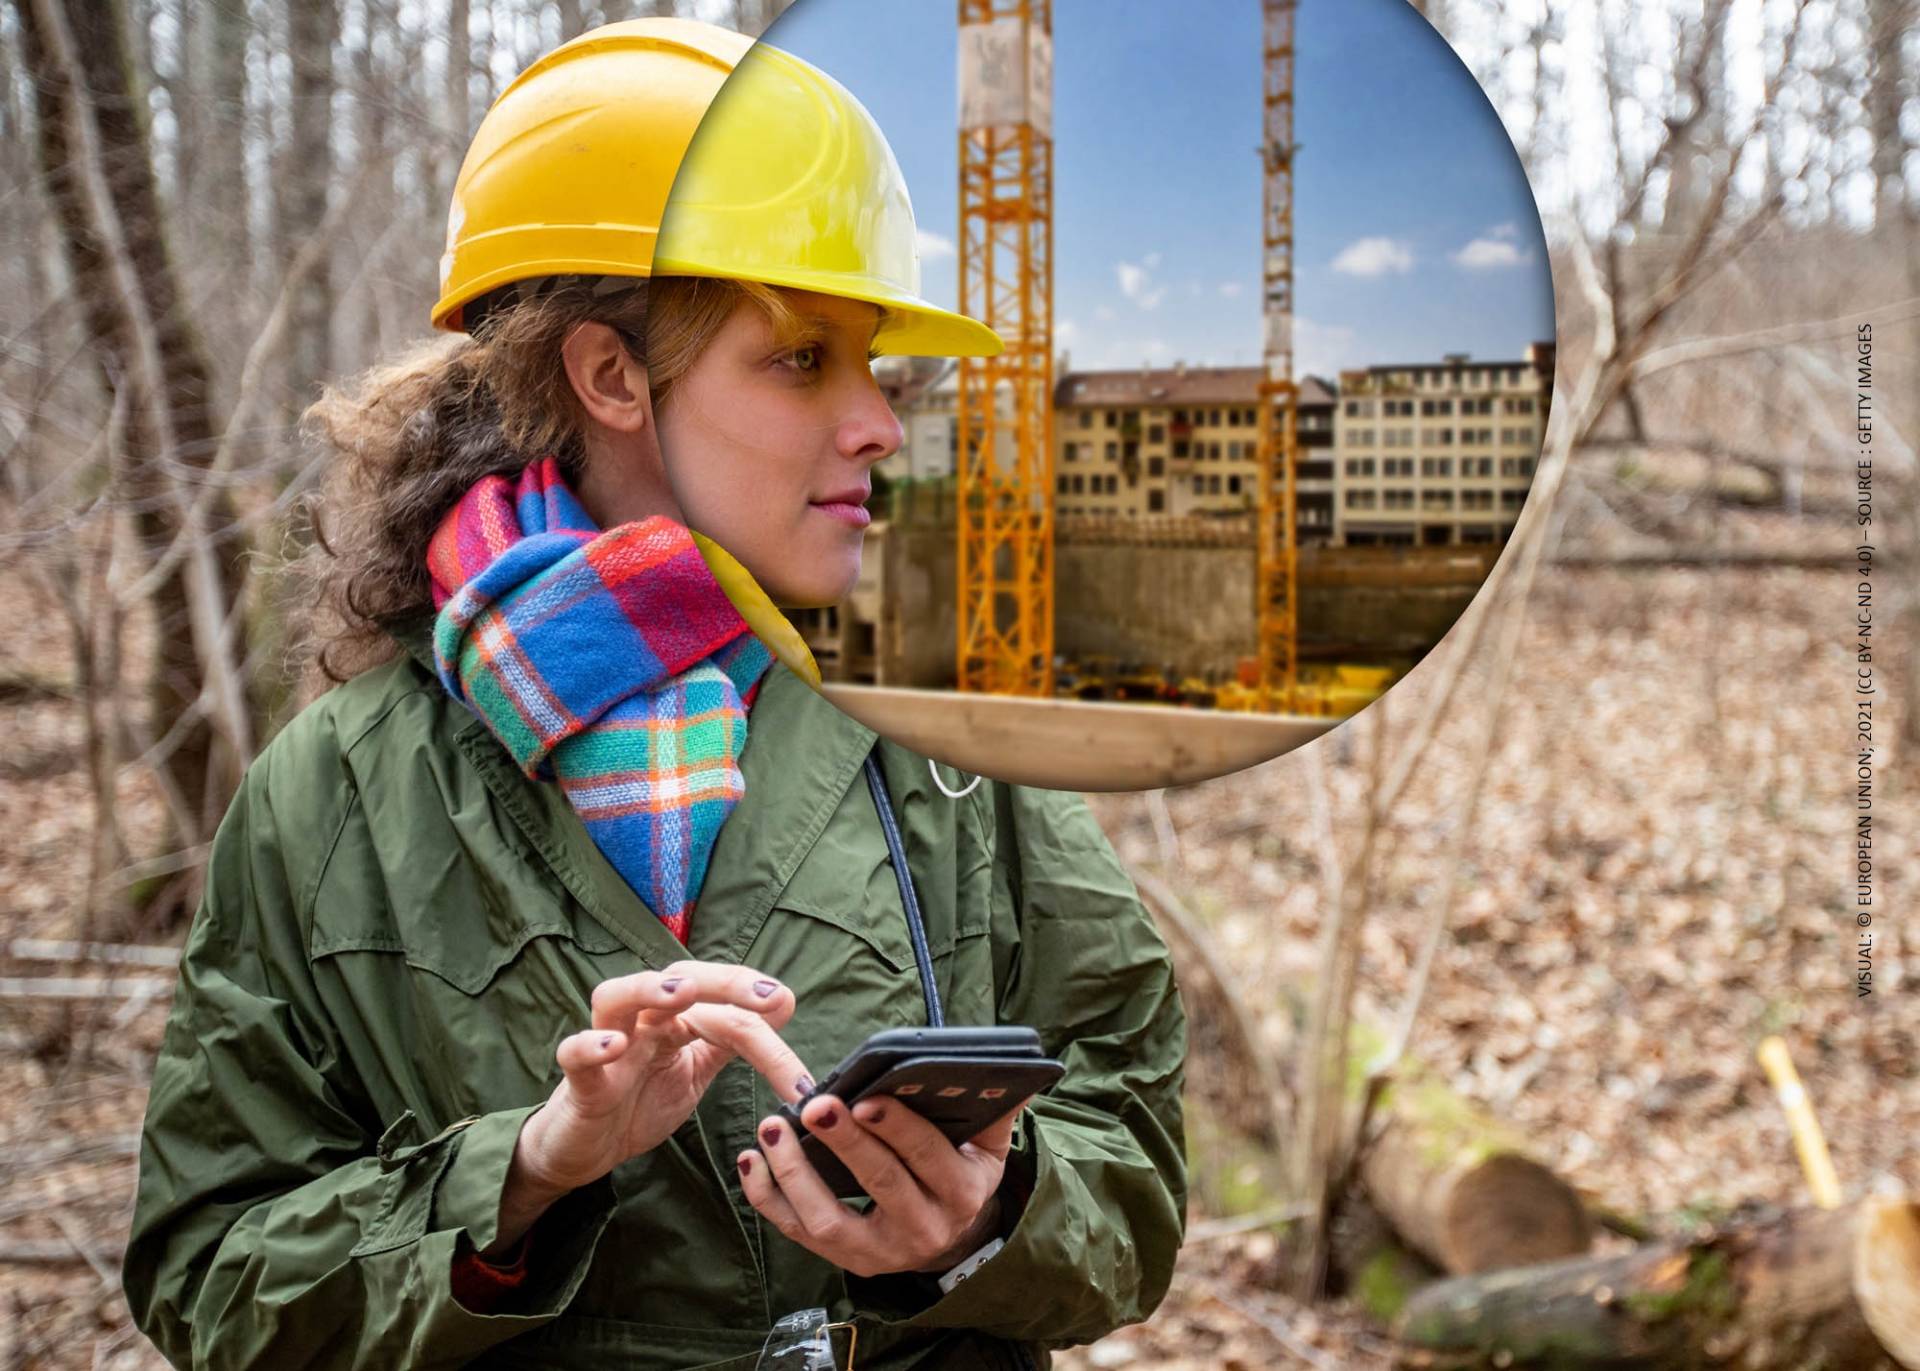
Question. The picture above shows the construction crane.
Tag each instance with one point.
(1276, 585)
(1005, 457)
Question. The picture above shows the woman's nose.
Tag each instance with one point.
(872, 432)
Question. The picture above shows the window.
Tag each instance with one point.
(1156, 501)
(1213, 417)
(1156, 465)
(1252, 418)
(1436, 499)
(1060, 485)
(1233, 485)
(1086, 418)
(1233, 418)
(1079, 485)
(1112, 418)
(1359, 499)
(1213, 452)
(1113, 451)
(1180, 447)
(1179, 417)
(1156, 433)
(1070, 452)
(1113, 484)
(1360, 466)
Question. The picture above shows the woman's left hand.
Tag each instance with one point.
(934, 1204)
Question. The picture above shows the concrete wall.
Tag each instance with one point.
(1190, 607)
(1193, 607)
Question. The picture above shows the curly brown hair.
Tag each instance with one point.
(414, 434)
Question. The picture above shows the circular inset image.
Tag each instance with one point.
(1102, 397)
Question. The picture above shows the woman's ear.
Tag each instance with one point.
(610, 385)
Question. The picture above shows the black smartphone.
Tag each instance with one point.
(960, 1079)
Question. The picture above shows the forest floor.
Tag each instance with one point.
(1658, 874)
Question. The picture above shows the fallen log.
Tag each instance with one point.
(1835, 1288)
(1459, 1186)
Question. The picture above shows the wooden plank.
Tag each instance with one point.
(1074, 744)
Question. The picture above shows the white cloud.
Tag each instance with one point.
(1065, 331)
(1323, 349)
(1506, 230)
(1136, 281)
(1374, 257)
(932, 246)
(1230, 289)
(1489, 254)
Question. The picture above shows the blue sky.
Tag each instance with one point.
(1415, 230)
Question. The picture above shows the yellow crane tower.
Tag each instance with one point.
(1277, 579)
(1005, 458)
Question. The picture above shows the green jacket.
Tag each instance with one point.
(398, 929)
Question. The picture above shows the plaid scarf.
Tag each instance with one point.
(611, 662)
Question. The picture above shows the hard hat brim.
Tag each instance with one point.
(914, 327)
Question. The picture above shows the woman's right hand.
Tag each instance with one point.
(658, 1040)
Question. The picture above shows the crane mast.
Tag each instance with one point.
(1277, 575)
(1005, 421)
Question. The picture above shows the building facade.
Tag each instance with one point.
(1427, 452)
(1437, 453)
(1181, 441)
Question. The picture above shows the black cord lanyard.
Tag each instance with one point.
(916, 930)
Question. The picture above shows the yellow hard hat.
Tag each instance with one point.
(791, 183)
(569, 170)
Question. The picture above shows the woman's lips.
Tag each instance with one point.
(855, 516)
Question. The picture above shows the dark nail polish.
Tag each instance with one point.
(828, 1118)
(879, 1113)
(765, 988)
(804, 1085)
(606, 1041)
(671, 984)
(746, 1165)
(772, 1134)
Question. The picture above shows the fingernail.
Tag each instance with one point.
(765, 988)
(606, 1041)
(828, 1118)
(746, 1165)
(804, 1085)
(876, 1112)
(671, 984)
(772, 1134)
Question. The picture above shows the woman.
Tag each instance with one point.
(514, 942)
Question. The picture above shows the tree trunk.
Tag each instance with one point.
(1812, 1288)
(1887, 22)
(224, 179)
(200, 769)
(311, 26)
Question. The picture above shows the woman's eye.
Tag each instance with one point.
(805, 359)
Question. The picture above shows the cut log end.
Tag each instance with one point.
(1509, 1211)
(1886, 1275)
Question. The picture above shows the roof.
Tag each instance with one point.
(1174, 386)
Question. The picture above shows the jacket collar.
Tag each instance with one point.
(801, 757)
